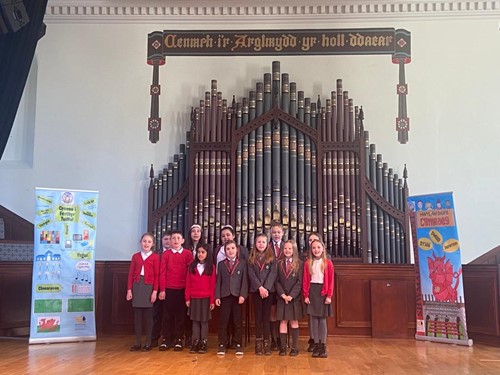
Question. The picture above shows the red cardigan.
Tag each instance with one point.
(151, 270)
(327, 289)
(200, 286)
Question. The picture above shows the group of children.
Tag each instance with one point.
(181, 280)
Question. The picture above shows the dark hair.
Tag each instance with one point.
(176, 232)
(166, 233)
(209, 261)
(228, 227)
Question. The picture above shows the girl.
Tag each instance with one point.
(142, 287)
(194, 241)
(231, 291)
(200, 296)
(288, 289)
(227, 234)
(305, 256)
(317, 288)
(261, 276)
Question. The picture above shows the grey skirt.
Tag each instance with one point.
(317, 307)
(293, 310)
(199, 309)
(141, 294)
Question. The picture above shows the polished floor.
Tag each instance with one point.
(110, 355)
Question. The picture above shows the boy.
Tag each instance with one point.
(276, 244)
(173, 270)
(158, 315)
(231, 291)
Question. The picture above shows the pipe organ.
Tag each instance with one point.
(278, 155)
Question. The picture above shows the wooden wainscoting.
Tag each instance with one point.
(15, 298)
(482, 302)
(358, 300)
(369, 301)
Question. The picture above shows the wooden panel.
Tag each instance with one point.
(118, 314)
(15, 298)
(353, 304)
(481, 289)
(16, 228)
(389, 316)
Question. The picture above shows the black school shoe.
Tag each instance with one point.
(238, 349)
(221, 350)
(135, 348)
(178, 345)
(164, 346)
(146, 348)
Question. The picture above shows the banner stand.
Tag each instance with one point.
(440, 302)
(63, 296)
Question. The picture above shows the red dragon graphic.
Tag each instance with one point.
(442, 275)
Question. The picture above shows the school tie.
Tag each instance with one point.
(277, 249)
(287, 268)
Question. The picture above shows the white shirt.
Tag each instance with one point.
(144, 257)
(221, 255)
(200, 267)
(318, 275)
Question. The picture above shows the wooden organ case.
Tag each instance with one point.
(277, 155)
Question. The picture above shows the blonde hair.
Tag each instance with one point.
(310, 259)
(268, 253)
(295, 255)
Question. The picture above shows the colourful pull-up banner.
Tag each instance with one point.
(440, 295)
(63, 302)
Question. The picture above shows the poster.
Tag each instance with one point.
(440, 295)
(63, 301)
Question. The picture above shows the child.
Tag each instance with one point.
(158, 315)
(193, 242)
(277, 246)
(227, 234)
(305, 256)
(173, 270)
(200, 296)
(231, 292)
(317, 288)
(277, 239)
(261, 276)
(142, 287)
(289, 290)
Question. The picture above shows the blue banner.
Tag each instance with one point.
(440, 294)
(63, 302)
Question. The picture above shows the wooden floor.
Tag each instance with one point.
(110, 355)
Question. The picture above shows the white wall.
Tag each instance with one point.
(92, 104)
